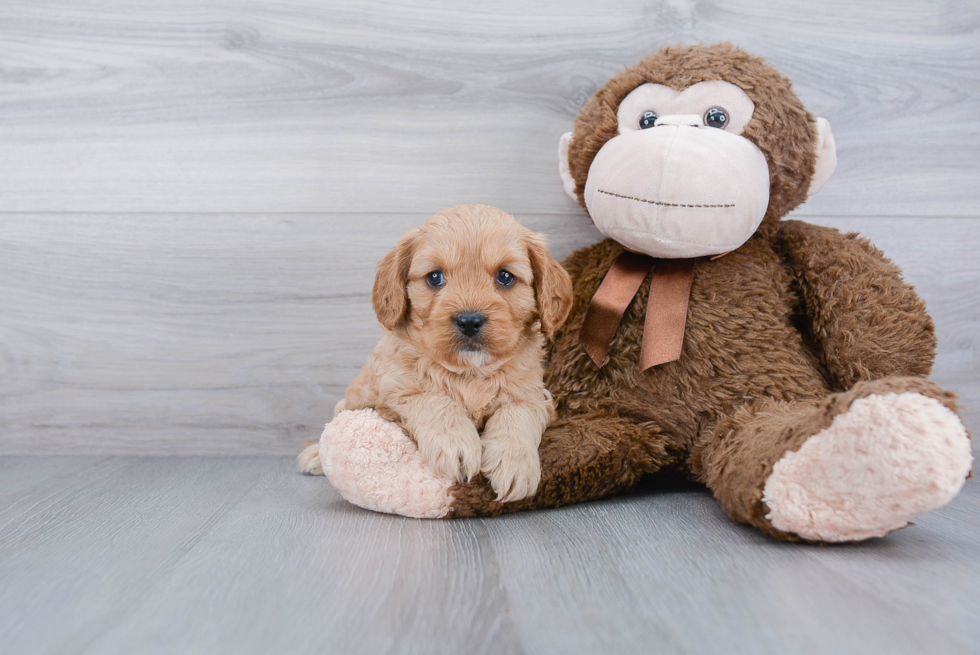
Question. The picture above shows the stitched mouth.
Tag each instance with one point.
(658, 202)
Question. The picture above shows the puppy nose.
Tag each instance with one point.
(469, 323)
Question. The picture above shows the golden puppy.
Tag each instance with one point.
(466, 302)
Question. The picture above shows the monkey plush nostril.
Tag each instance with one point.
(469, 323)
(679, 120)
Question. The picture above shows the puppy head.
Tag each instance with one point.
(471, 286)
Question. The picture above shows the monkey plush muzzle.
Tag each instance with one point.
(679, 189)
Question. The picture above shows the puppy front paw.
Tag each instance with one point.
(454, 453)
(513, 468)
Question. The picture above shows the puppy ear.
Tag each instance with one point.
(390, 294)
(552, 285)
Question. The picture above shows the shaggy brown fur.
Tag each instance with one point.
(782, 334)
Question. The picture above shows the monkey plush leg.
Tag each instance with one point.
(851, 466)
(375, 465)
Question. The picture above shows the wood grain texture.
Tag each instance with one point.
(324, 106)
(244, 555)
(154, 326)
(193, 196)
(216, 334)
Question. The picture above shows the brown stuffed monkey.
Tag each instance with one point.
(779, 363)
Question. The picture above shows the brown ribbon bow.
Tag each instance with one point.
(663, 328)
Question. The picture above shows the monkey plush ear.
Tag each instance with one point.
(563, 170)
(390, 293)
(826, 156)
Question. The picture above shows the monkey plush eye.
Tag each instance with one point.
(435, 279)
(647, 120)
(716, 117)
(505, 278)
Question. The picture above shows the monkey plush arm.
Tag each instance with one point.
(865, 321)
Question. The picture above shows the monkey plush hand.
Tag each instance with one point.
(778, 363)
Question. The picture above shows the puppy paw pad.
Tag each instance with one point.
(886, 460)
(375, 465)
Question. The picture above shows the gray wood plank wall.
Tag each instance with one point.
(194, 193)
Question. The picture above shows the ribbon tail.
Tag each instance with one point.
(610, 302)
(663, 329)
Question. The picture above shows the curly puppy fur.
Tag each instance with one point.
(444, 387)
(782, 334)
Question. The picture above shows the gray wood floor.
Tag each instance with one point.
(193, 196)
(244, 555)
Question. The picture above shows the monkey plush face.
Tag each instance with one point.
(682, 161)
(679, 179)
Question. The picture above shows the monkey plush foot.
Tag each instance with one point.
(375, 465)
(884, 461)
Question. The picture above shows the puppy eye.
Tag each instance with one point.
(435, 279)
(716, 117)
(505, 278)
(647, 119)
